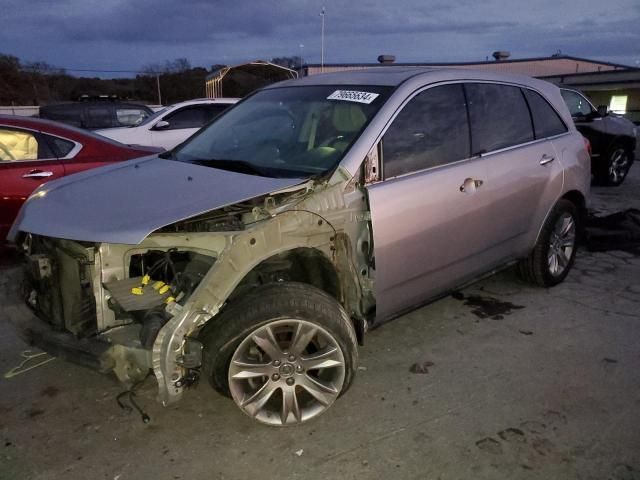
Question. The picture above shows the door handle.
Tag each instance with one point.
(37, 174)
(470, 185)
(546, 159)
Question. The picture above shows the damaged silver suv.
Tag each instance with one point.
(257, 254)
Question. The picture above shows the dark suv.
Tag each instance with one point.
(612, 138)
(97, 114)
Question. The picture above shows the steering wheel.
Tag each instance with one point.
(322, 155)
(6, 151)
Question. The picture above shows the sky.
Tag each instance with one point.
(126, 35)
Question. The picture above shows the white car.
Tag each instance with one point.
(171, 125)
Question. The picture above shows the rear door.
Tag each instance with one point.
(523, 171)
(429, 212)
(26, 162)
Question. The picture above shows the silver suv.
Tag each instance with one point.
(258, 253)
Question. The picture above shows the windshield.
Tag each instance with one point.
(286, 132)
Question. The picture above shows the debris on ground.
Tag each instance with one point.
(421, 367)
(618, 231)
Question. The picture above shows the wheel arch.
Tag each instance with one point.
(578, 199)
(300, 264)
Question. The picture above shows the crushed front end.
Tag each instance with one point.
(103, 305)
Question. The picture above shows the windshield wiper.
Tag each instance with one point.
(232, 165)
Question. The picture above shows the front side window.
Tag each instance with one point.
(215, 109)
(431, 130)
(287, 131)
(499, 117)
(577, 104)
(546, 122)
(188, 117)
(17, 145)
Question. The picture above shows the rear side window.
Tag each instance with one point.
(189, 117)
(431, 130)
(499, 117)
(546, 122)
(18, 145)
(98, 117)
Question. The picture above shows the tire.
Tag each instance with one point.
(613, 172)
(557, 239)
(251, 353)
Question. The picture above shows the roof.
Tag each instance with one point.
(535, 67)
(394, 76)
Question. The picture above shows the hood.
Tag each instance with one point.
(125, 202)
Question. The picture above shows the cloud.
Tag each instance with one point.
(128, 34)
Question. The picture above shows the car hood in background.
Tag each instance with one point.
(125, 202)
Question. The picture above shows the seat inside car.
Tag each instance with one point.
(347, 120)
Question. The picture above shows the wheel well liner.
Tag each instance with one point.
(302, 264)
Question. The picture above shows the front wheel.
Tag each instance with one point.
(554, 253)
(284, 353)
(616, 168)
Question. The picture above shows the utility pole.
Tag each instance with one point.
(300, 63)
(158, 86)
(322, 42)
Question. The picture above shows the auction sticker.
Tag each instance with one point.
(353, 96)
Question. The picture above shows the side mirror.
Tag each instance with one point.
(602, 110)
(161, 125)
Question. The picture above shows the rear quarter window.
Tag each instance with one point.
(61, 147)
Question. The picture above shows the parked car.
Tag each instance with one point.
(257, 254)
(34, 151)
(172, 125)
(612, 138)
(97, 114)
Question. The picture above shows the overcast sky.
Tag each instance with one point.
(128, 34)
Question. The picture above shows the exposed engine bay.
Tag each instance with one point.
(59, 286)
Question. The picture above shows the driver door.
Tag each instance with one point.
(429, 211)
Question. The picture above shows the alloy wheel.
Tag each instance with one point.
(286, 372)
(618, 166)
(561, 244)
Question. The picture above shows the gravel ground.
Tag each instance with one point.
(504, 381)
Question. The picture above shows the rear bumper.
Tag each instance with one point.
(92, 353)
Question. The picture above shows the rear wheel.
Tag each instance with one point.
(284, 353)
(554, 253)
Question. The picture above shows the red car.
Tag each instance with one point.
(34, 151)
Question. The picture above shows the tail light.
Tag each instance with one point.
(587, 145)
